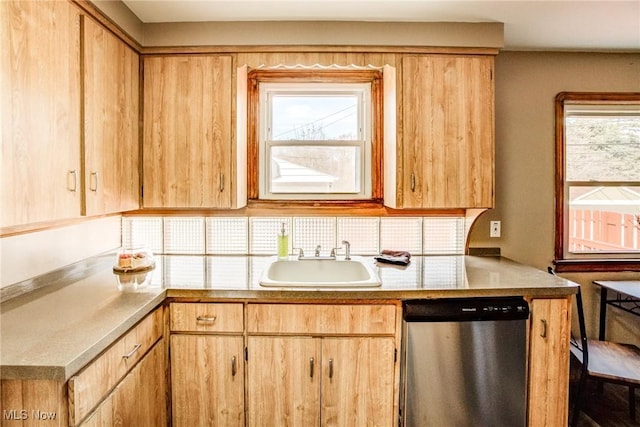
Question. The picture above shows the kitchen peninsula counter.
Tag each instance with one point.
(53, 331)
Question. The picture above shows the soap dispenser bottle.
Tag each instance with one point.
(283, 244)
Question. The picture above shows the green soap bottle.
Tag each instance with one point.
(283, 244)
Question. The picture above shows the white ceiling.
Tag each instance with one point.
(528, 24)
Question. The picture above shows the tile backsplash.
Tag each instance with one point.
(257, 235)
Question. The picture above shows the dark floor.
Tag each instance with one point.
(609, 409)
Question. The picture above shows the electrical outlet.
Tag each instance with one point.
(495, 229)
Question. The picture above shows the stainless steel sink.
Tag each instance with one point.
(320, 274)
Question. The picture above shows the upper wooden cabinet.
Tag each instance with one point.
(111, 114)
(40, 44)
(70, 134)
(188, 122)
(446, 136)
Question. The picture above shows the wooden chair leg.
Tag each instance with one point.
(632, 402)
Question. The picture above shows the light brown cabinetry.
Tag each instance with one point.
(70, 144)
(125, 385)
(90, 386)
(447, 133)
(207, 364)
(321, 364)
(549, 335)
(40, 44)
(139, 399)
(111, 145)
(187, 138)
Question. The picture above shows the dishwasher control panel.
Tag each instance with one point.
(465, 309)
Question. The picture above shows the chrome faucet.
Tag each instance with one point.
(317, 252)
(347, 250)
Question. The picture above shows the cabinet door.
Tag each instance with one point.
(207, 380)
(549, 335)
(140, 399)
(187, 131)
(40, 44)
(358, 382)
(283, 381)
(110, 99)
(448, 131)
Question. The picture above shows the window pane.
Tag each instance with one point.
(315, 169)
(604, 219)
(314, 117)
(601, 148)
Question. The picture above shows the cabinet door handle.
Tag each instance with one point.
(543, 334)
(413, 182)
(234, 367)
(93, 181)
(330, 368)
(311, 364)
(72, 184)
(221, 182)
(132, 352)
(208, 319)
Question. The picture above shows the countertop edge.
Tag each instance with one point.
(64, 373)
(62, 369)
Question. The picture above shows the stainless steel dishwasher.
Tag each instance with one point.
(464, 362)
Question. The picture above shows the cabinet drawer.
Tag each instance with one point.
(206, 317)
(378, 319)
(90, 385)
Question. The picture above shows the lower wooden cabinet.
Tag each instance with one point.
(322, 364)
(207, 386)
(283, 387)
(207, 364)
(139, 399)
(549, 335)
(358, 381)
(307, 381)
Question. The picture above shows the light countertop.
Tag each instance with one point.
(53, 331)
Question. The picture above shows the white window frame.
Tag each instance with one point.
(364, 140)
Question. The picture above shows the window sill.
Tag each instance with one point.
(596, 265)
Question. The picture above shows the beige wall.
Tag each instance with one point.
(526, 86)
(25, 256)
(122, 16)
(448, 34)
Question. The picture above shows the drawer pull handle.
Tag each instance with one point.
(93, 181)
(210, 319)
(131, 353)
(543, 334)
(72, 181)
(413, 182)
(330, 368)
(221, 186)
(311, 363)
(234, 367)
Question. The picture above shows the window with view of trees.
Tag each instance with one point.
(598, 203)
(316, 138)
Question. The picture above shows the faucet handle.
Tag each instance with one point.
(317, 253)
(333, 252)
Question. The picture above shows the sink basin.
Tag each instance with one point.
(320, 274)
